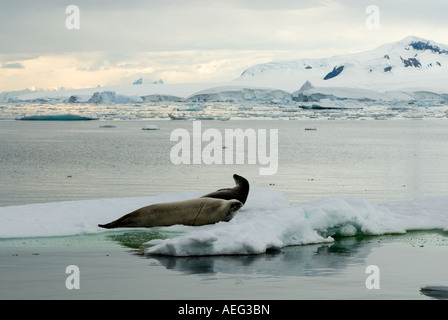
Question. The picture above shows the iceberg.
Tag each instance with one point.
(110, 97)
(324, 104)
(179, 117)
(138, 81)
(310, 93)
(190, 108)
(78, 99)
(144, 92)
(58, 117)
(151, 127)
(240, 94)
(161, 98)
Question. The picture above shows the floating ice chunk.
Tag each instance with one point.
(110, 97)
(59, 117)
(151, 127)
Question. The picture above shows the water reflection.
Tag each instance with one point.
(135, 239)
(308, 260)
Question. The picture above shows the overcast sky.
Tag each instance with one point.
(191, 40)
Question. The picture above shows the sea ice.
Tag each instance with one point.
(267, 222)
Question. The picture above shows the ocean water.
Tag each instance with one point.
(378, 160)
(396, 164)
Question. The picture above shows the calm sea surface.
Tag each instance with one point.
(377, 160)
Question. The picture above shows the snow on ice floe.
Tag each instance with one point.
(267, 222)
(72, 217)
(259, 229)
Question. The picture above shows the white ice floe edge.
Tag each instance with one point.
(263, 229)
(267, 222)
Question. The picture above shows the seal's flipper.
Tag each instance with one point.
(239, 192)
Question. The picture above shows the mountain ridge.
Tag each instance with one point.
(392, 71)
(389, 66)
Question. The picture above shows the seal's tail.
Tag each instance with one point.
(122, 222)
(106, 226)
(111, 225)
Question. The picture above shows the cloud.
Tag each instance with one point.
(194, 40)
(38, 27)
(12, 65)
(278, 5)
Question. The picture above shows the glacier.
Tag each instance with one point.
(240, 94)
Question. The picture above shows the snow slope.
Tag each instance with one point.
(410, 63)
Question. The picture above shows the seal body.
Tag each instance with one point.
(239, 192)
(194, 212)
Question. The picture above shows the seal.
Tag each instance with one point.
(239, 192)
(194, 212)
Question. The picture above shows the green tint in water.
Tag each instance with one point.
(136, 239)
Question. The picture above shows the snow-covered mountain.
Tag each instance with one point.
(410, 63)
(410, 69)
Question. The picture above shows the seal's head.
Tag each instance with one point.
(239, 180)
